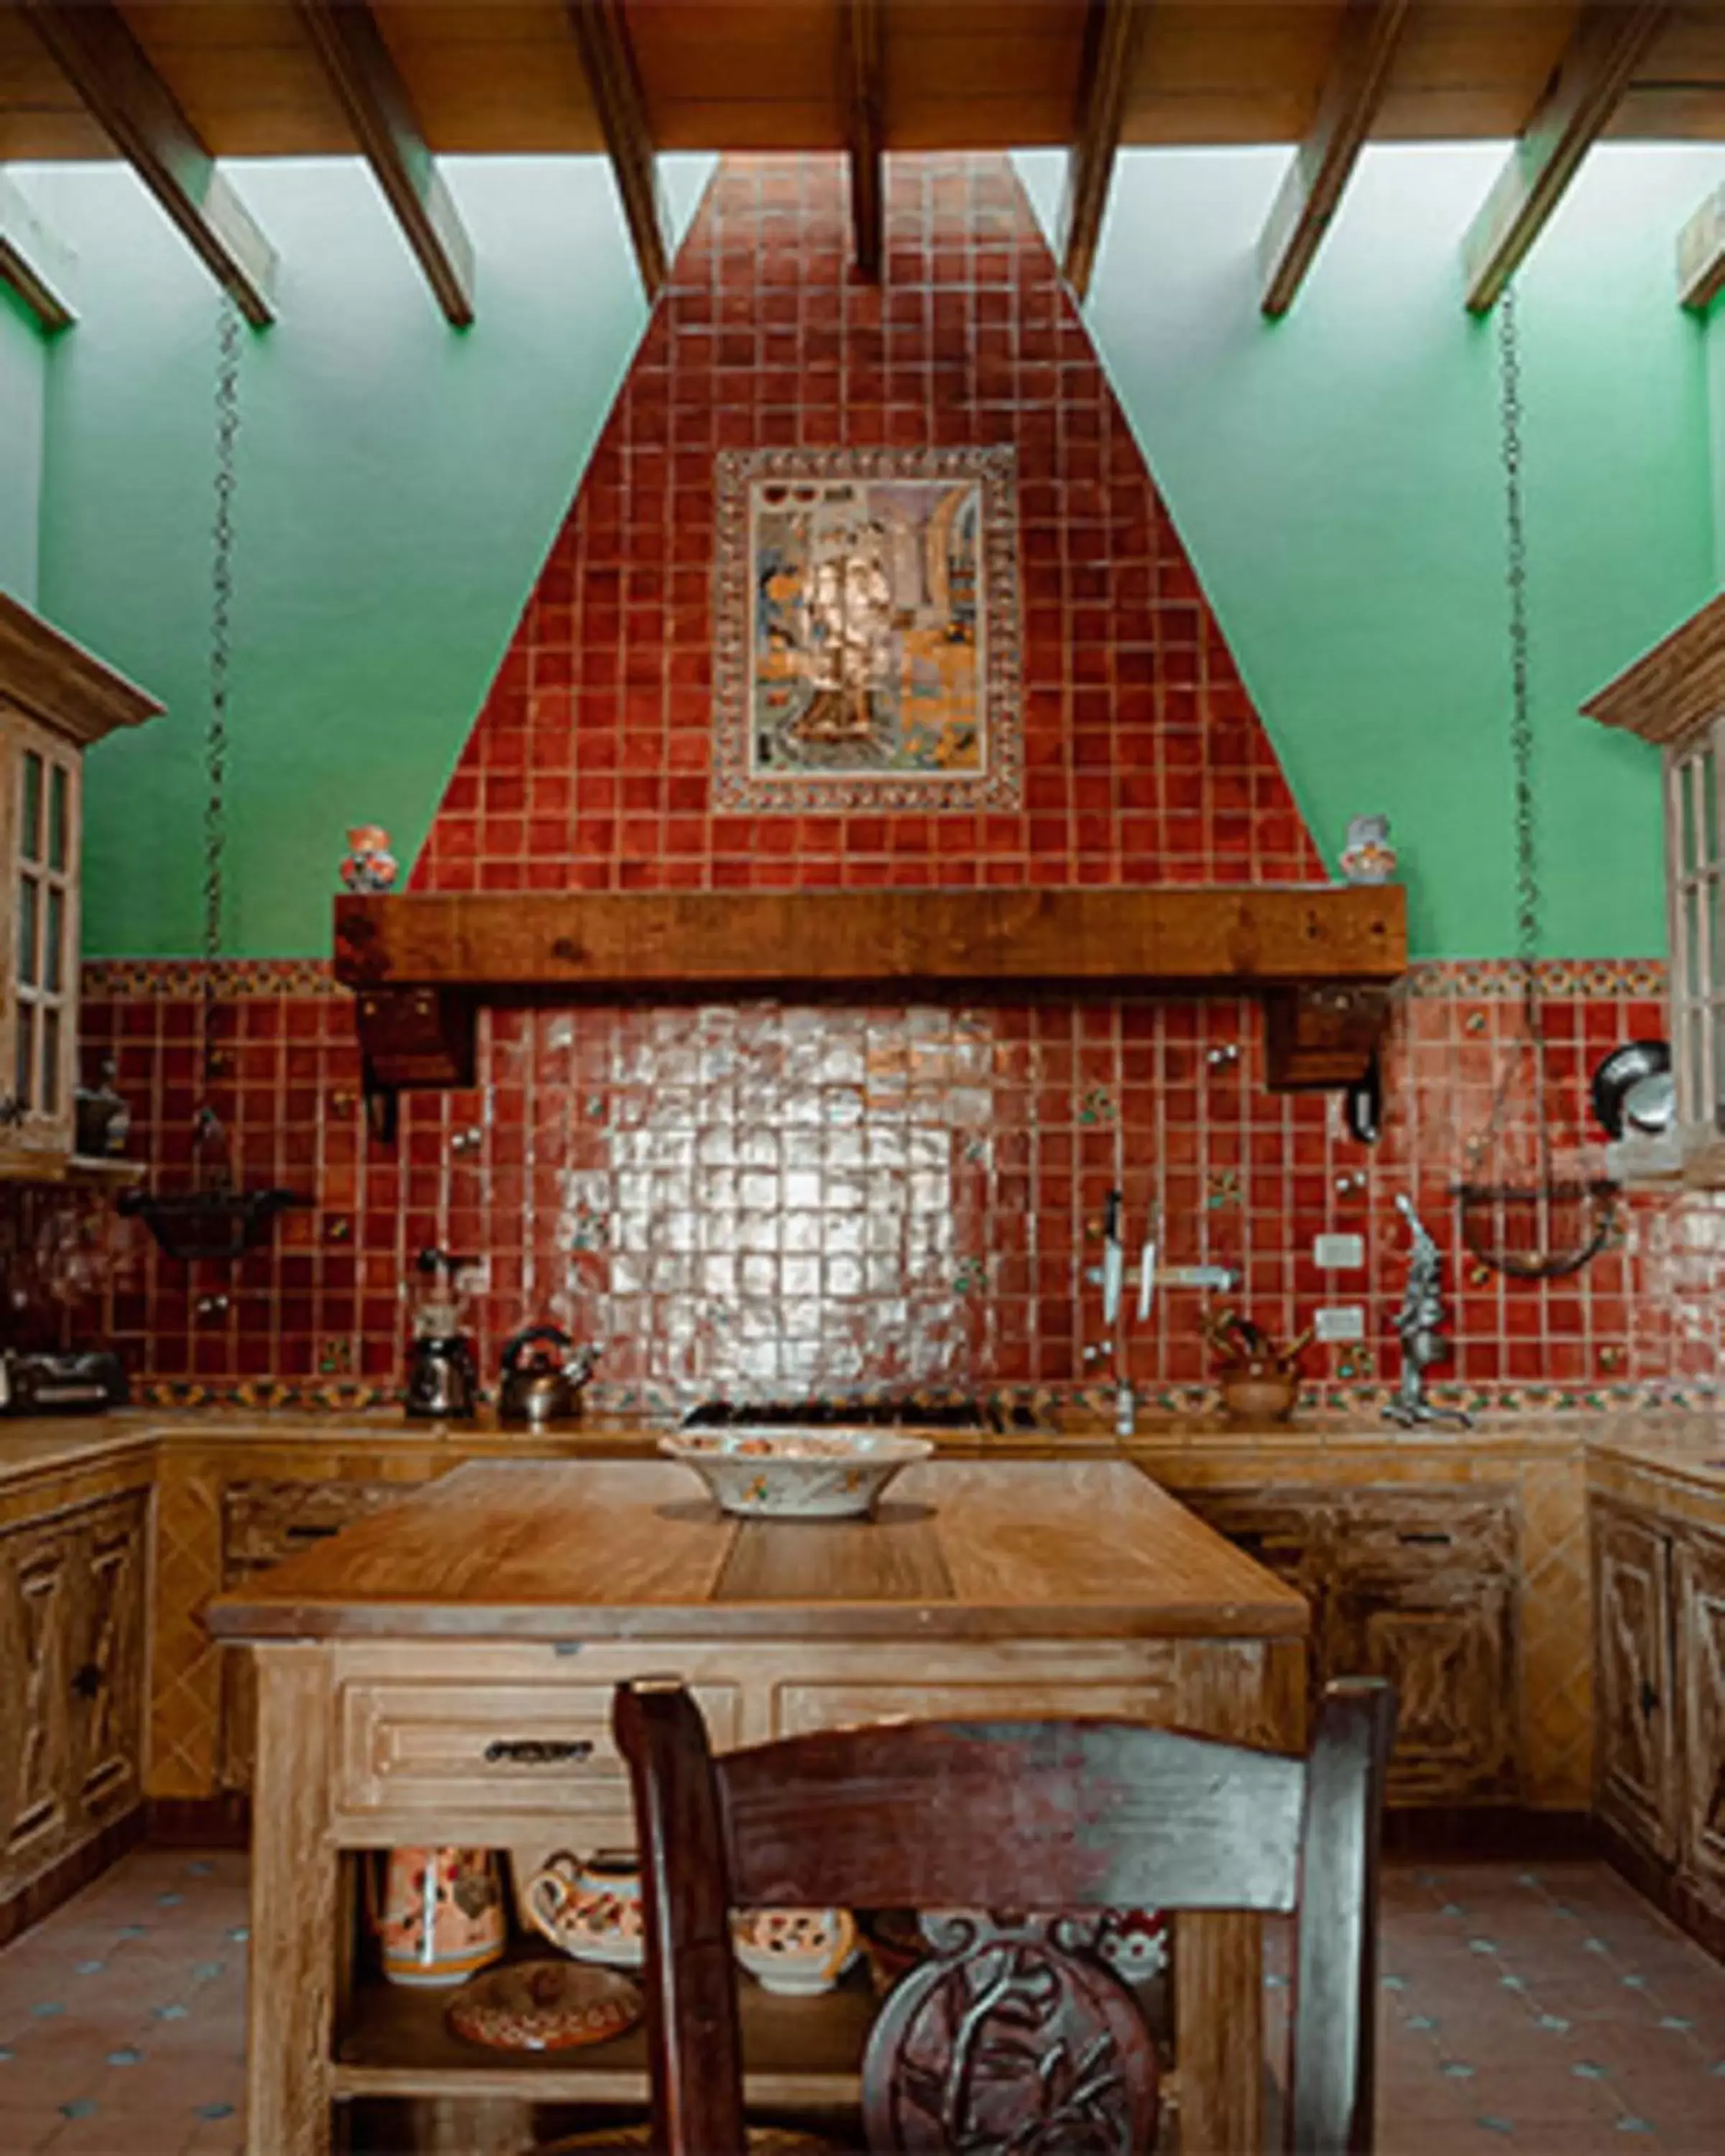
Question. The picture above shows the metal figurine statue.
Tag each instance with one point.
(1417, 1322)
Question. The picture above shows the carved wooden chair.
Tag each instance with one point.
(1010, 2036)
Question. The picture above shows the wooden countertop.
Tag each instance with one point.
(615, 1550)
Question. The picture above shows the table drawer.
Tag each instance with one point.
(497, 1750)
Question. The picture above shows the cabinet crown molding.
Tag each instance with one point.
(1674, 689)
(57, 682)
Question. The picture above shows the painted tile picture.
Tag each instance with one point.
(867, 644)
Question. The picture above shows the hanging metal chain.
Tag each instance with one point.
(221, 607)
(1521, 720)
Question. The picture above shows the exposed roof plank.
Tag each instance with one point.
(102, 60)
(603, 36)
(1312, 188)
(33, 261)
(862, 63)
(1591, 78)
(1113, 33)
(372, 94)
(1701, 254)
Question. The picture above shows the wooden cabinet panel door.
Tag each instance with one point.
(1700, 1675)
(1448, 1646)
(1635, 1762)
(105, 1651)
(37, 1813)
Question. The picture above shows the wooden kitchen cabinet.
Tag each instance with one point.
(1659, 1649)
(72, 1644)
(55, 700)
(1419, 1586)
(263, 1521)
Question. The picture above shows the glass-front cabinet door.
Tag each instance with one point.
(39, 775)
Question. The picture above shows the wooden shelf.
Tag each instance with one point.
(1223, 935)
(798, 2051)
(1323, 957)
(78, 1170)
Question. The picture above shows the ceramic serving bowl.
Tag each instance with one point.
(795, 1952)
(796, 1474)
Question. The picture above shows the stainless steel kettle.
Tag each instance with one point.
(543, 1372)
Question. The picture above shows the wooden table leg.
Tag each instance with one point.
(293, 1902)
(1219, 2033)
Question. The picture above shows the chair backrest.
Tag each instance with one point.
(1052, 1815)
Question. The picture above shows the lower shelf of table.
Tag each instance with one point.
(796, 2051)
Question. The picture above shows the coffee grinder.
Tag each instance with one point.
(442, 1378)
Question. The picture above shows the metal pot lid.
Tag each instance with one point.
(1635, 1061)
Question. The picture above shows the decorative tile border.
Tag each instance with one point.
(1499, 980)
(167, 980)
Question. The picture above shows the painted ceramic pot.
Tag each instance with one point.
(440, 1916)
(1369, 857)
(795, 1474)
(1258, 1395)
(592, 1909)
(797, 1952)
(1134, 1944)
(370, 866)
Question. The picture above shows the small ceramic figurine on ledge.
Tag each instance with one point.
(1369, 857)
(1417, 1322)
(370, 866)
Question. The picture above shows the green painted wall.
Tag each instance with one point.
(1336, 476)
(23, 372)
(398, 484)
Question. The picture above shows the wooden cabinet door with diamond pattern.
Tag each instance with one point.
(1701, 1675)
(106, 1653)
(38, 1810)
(1635, 1750)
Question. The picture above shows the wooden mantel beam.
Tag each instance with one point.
(366, 79)
(614, 81)
(33, 262)
(1312, 189)
(1113, 37)
(98, 56)
(1596, 68)
(862, 49)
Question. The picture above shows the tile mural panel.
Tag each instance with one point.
(866, 641)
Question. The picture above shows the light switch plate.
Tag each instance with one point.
(1341, 1320)
(1339, 1254)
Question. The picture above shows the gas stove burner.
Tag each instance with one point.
(911, 1410)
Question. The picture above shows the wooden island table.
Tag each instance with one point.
(442, 1673)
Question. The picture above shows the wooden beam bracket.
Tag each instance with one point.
(365, 78)
(1113, 35)
(1323, 1034)
(1598, 64)
(33, 262)
(1312, 188)
(862, 51)
(1701, 256)
(96, 50)
(608, 58)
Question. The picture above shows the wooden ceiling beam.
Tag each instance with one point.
(1591, 78)
(35, 264)
(98, 56)
(1113, 34)
(364, 76)
(608, 58)
(1701, 256)
(1312, 189)
(862, 64)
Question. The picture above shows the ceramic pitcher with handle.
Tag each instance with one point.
(440, 1916)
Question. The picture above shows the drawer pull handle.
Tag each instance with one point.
(538, 1751)
(1433, 1538)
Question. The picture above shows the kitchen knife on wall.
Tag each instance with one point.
(1113, 1261)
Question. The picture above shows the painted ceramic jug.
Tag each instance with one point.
(591, 1909)
(441, 1916)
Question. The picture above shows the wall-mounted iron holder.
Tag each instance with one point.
(216, 1224)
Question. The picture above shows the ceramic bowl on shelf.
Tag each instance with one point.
(795, 1952)
(795, 1474)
